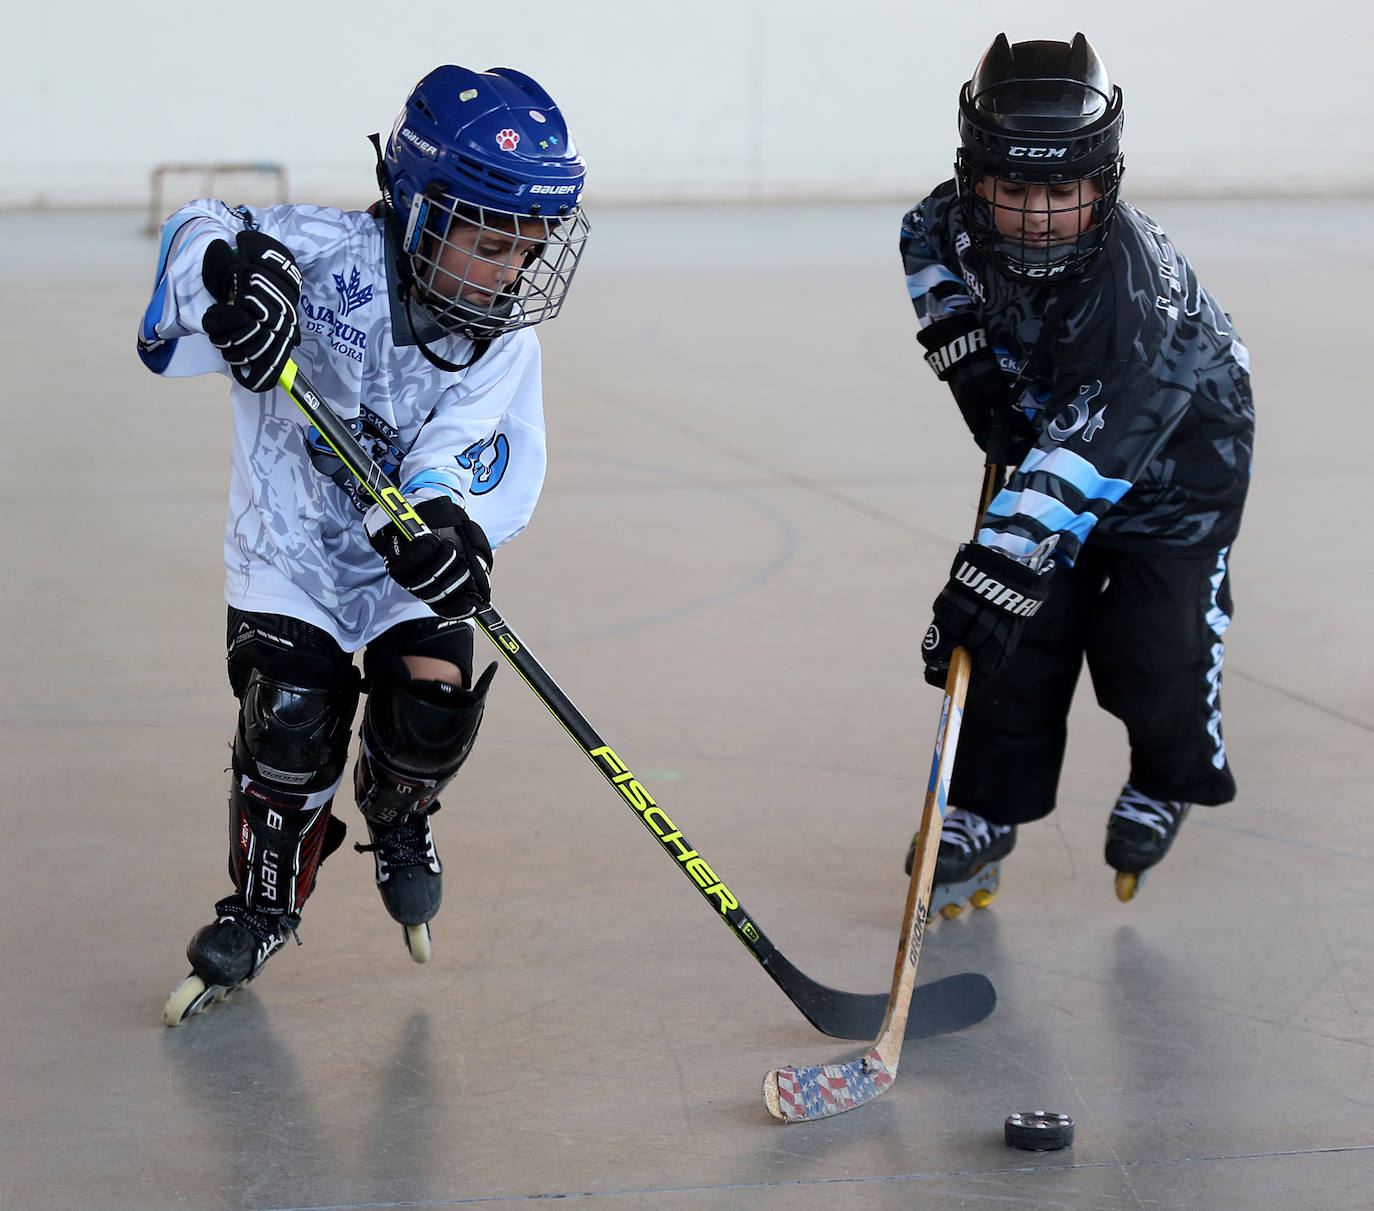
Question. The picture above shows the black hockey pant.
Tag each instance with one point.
(1150, 627)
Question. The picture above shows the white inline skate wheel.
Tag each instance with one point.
(184, 995)
(417, 942)
(190, 997)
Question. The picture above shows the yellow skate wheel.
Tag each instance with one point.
(1126, 886)
(982, 898)
(950, 911)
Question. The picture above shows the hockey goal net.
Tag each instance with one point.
(253, 184)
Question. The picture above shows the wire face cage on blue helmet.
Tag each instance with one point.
(1039, 164)
(486, 186)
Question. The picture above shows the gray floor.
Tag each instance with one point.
(754, 490)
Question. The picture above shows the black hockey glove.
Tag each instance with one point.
(982, 609)
(959, 353)
(446, 569)
(253, 323)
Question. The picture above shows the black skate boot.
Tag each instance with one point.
(968, 865)
(226, 954)
(1139, 833)
(409, 875)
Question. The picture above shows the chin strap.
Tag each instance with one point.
(407, 274)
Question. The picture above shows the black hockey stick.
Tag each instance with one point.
(952, 1003)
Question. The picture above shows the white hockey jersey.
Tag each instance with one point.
(294, 541)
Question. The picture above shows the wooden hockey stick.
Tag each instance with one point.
(952, 1003)
(798, 1094)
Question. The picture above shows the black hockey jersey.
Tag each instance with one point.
(1131, 374)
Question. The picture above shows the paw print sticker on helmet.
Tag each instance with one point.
(507, 139)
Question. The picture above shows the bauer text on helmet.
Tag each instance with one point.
(486, 184)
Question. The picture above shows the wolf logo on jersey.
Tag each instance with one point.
(379, 442)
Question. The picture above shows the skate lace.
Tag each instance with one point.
(266, 928)
(1159, 815)
(968, 831)
(406, 844)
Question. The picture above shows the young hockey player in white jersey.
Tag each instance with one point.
(1069, 329)
(413, 319)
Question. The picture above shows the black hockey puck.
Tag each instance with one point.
(1038, 1131)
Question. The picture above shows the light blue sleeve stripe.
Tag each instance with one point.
(1010, 544)
(440, 479)
(1077, 471)
(928, 278)
(153, 312)
(154, 350)
(1050, 513)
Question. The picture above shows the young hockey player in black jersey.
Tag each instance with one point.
(414, 320)
(1076, 339)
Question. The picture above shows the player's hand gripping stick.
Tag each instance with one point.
(447, 567)
(253, 321)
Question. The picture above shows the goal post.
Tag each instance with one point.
(254, 183)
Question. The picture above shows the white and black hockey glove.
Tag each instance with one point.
(253, 321)
(982, 609)
(958, 350)
(448, 568)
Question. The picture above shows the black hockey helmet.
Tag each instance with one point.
(1040, 115)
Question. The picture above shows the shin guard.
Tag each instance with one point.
(415, 738)
(289, 757)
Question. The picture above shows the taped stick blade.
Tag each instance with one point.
(801, 1094)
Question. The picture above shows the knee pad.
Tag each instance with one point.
(289, 755)
(415, 738)
(294, 736)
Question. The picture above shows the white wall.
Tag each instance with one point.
(705, 99)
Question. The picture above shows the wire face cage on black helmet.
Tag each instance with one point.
(482, 272)
(1039, 164)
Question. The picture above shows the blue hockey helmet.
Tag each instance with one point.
(486, 185)
(1039, 119)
